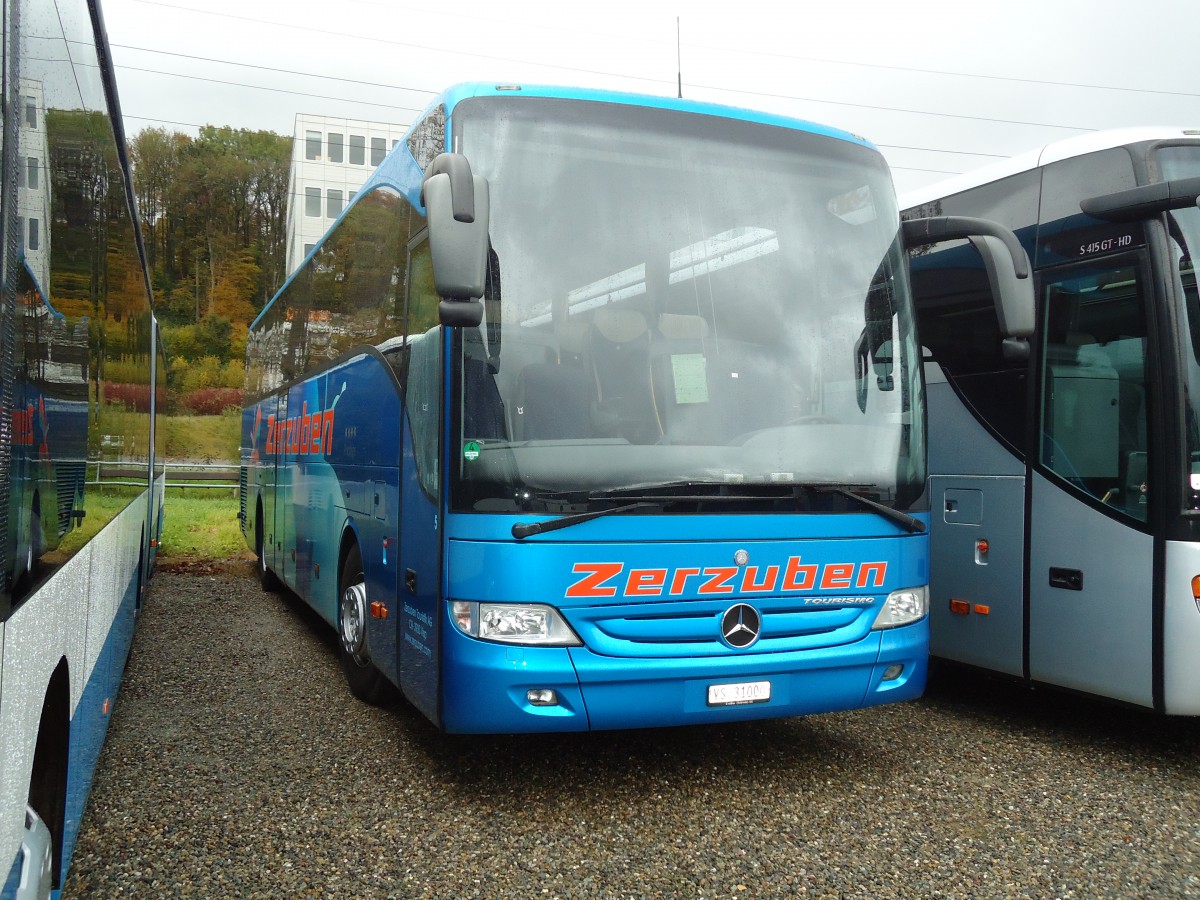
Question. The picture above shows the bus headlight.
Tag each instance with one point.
(513, 623)
(903, 608)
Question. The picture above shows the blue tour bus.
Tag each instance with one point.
(79, 360)
(601, 411)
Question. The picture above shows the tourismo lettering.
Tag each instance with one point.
(613, 579)
(305, 434)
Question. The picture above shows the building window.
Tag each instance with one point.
(31, 112)
(308, 248)
(353, 194)
(333, 203)
(35, 242)
(335, 147)
(31, 166)
(358, 150)
(312, 145)
(312, 201)
(378, 150)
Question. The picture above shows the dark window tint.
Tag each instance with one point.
(358, 150)
(378, 150)
(1065, 233)
(956, 316)
(31, 167)
(35, 238)
(334, 141)
(423, 389)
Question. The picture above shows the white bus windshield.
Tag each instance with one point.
(685, 300)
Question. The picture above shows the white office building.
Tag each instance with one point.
(33, 183)
(331, 158)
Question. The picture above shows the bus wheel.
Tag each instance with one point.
(366, 682)
(266, 577)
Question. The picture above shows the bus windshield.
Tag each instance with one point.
(682, 301)
(1176, 163)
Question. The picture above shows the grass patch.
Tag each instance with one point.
(209, 438)
(214, 438)
(202, 524)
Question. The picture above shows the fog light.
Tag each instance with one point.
(891, 673)
(542, 697)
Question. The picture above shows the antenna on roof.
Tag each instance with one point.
(678, 59)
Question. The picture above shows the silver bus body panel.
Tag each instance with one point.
(1181, 632)
(977, 493)
(1098, 638)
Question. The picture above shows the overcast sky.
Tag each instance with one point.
(940, 87)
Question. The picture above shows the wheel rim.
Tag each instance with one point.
(354, 621)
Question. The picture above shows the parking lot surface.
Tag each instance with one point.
(239, 765)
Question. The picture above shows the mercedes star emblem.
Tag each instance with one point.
(740, 626)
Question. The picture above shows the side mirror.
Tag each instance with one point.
(1145, 201)
(1004, 259)
(456, 206)
(1013, 296)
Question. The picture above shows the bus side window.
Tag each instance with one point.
(422, 394)
(957, 323)
(1094, 431)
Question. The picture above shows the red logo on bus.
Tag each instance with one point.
(613, 579)
(305, 434)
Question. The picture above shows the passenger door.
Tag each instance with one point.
(420, 538)
(1091, 560)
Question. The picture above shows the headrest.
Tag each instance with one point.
(619, 325)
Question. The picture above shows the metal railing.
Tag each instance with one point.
(179, 474)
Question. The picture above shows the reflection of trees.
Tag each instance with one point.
(213, 211)
(350, 293)
(95, 269)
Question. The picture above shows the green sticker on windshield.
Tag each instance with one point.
(471, 451)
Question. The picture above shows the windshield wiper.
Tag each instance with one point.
(670, 492)
(911, 523)
(521, 530)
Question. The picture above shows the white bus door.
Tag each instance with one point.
(1091, 560)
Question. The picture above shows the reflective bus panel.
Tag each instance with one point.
(79, 507)
(668, 468)
(1077, 452)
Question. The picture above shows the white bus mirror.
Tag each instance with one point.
(457, 209)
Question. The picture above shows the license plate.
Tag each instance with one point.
(737, 694)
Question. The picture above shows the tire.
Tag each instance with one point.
(366, 682)
(268, 579)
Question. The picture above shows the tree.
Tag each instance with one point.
(213, 214)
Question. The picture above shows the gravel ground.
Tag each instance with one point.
(238, 765)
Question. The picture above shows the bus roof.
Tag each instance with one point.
(454, 95)
(1042, 156)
